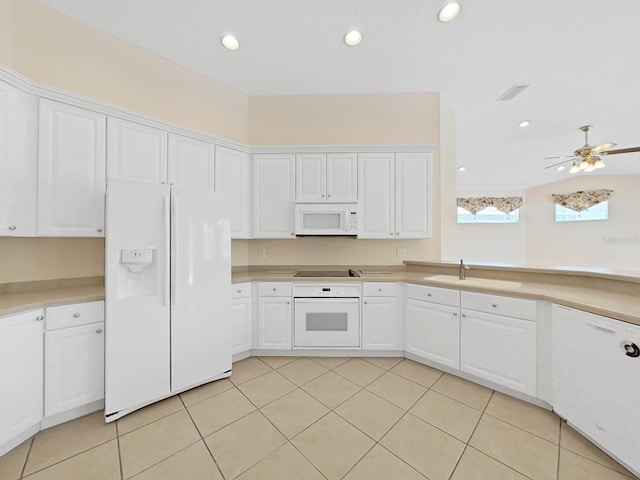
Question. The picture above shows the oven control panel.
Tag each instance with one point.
(332, 290)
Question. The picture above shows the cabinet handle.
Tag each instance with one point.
(428, 294)
(12, 227)
(379, 289)
(494, 305)
(322, 195)
(292, 234)
(391, 233)
(455, 314)
(288, 303)
(99, 230)
(76, 315)
(398, 233)
(464, 316)
(366, 303)
(238, 291)
(328, 195)
(274, 289)
(99, 330)
(39, 318)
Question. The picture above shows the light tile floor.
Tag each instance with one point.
(320, 418)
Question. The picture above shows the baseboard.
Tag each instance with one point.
(77, 412)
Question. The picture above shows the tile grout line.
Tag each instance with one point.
(466, 445)
(201, 438)
(26, 458)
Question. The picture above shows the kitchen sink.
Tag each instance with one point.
(475, 282)
(326, 273)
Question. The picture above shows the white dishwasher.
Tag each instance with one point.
(596, 372)
(326, 315)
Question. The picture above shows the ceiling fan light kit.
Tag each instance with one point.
(588, 158)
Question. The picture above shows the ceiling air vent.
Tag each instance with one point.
(512, 92)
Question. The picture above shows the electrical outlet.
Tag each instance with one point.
(401, 252)
(262, 253)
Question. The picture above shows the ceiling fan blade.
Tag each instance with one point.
(556, 164)
(622, 150)
(561, 156)
(602, 147)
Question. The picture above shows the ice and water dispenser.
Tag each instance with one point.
(138, 273)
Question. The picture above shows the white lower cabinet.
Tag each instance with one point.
(274, 323)
(275, 310)
(381, 319)
(596, 361)
(433, 332)
(241, 318)
(499, 348)
(74, 357)
(20, 377)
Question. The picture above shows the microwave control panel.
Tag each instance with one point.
(352, 221)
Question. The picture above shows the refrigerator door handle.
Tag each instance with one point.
(166, 229)
(174, 249)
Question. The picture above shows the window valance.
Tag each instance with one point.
(581, 200)
(475, 204)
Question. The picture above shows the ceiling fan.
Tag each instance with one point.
(589, 158)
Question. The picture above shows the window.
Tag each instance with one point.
(488, 215)
(597, 212)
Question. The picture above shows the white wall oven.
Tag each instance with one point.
(326, 315)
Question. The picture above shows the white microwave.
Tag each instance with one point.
(326, 219)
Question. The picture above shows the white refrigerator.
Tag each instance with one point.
(167, 293)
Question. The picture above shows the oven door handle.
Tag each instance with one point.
(326, 299)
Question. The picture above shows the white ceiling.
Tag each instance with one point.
(581, 57)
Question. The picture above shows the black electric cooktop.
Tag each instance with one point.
(327, 273)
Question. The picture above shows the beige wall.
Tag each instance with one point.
(56, 50)
(28, 259)
(6, 36)
(345, 119)
(614, 243)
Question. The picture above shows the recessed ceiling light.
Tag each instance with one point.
(524, 123)
(561, 168)
(462, 168)
(230, 42)
(353, 38)
(450, 11)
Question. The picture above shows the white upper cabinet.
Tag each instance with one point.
(191, 162)
(395, 195)
(136, 151)
(71, 171)
(376, 189)
(18, 162)
(311, 179)
(413, 195)
(274, 193)
(327, 178)
(233, 180)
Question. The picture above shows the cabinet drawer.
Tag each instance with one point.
(379, 289)
(274, 289)
(509, 306)
(444, 296)
(64, 316)
(240, 290)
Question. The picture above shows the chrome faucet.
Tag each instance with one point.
(462, 274)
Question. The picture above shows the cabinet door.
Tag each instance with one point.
(21, 356)
(71, 171)
(413, 195)
(342, 177)
(500, 349)
(191, 162)
(136, 152)
(274, 323)
(311, 183)
(376, 191)
(380, 324)
(241, 325)
(233, 181)
(74, 367)
(18, 162)
(274, 192)
(433, 332)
